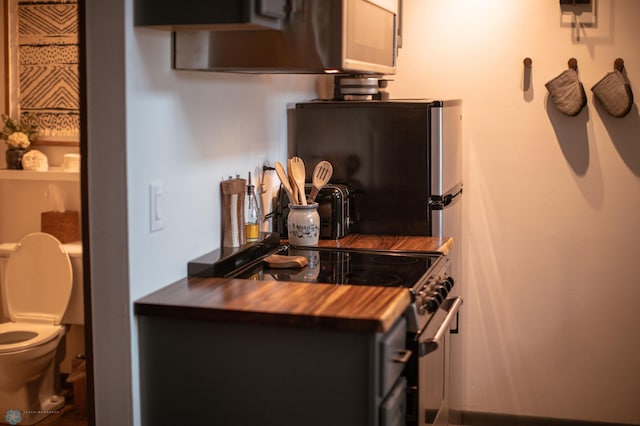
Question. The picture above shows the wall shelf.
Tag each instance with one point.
(53, 174)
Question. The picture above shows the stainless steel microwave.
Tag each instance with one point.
(313, 36)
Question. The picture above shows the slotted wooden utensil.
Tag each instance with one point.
(321, 175)
(297, 167)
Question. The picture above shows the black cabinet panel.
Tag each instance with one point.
(172, 14)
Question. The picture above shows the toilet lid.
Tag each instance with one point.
(38, 279)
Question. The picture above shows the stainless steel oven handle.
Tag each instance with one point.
(402, 356)
(431, 344)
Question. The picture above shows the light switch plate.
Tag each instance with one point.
(156, 206)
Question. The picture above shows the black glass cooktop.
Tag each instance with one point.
(355, 267)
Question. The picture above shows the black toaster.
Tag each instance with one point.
(334, 208)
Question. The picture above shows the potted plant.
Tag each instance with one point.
(18, 134)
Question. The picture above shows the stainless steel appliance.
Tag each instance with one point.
(428, 318)
(304, 36)
(402, 158)
(334, 209)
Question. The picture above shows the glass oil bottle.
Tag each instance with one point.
(252, 215)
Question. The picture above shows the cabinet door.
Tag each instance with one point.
(394, 407)
(189, 14)
(393, 355)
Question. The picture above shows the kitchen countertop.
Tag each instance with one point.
(391, 242)
(346, 307)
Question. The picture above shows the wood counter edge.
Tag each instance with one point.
(162, 303)
(389, 243)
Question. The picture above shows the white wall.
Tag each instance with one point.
(149, 123)
(550, 253)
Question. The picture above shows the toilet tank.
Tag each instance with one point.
(75, 310)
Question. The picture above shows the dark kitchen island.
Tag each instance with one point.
(219, 351)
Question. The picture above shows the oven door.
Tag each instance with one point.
(433, 365)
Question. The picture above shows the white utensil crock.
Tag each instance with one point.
(304, 225)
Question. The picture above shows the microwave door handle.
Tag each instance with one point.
(431, 344)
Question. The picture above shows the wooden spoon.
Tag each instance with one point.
(292, 182)
(299, 175)
(321, 175)
(284, 180)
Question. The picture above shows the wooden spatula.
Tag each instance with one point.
(292, 183)
(284, 180)
(297, 167)
(280, 261)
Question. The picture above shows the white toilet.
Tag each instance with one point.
(36, 289)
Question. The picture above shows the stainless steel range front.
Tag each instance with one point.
(429, 317)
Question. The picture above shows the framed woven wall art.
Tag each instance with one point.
(43, 67)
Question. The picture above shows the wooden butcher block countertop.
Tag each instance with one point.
(270, 302)
(385, 242)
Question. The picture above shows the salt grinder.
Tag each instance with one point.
(233, 232)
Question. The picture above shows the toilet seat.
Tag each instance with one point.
(42, 334)
(38, 282)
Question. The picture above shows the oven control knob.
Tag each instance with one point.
(431, 304)
(434, 294)
(449, 282)
(442, 290)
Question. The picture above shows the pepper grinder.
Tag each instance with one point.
(233, 231)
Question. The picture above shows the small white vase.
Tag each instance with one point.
(303, 225)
